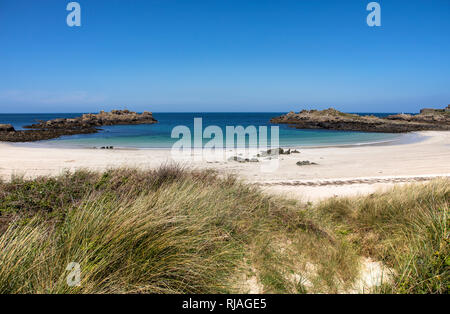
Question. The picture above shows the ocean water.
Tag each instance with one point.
(159, 135)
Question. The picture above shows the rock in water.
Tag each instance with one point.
(89, 120)
(428, 119)
(87, 123)
(6, 128)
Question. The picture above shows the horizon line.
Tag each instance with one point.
(157, 112)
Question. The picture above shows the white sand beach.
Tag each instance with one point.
(339, 171)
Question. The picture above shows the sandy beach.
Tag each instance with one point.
(339, 171)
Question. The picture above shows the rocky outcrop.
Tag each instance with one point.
(90, 120)
(6, 128)
(435, 116)
(435, 111)
(435, 119)
(40, 135)
(87, 123)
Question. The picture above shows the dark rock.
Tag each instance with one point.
(89, 120)
(428, 119)
(305, 163)
(274, 152)
(6, 128)
(242, 160)
(86, 124)
(39, 135)
(236, 158)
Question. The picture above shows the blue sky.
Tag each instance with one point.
(224, 55)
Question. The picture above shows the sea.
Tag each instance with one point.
(159, 135)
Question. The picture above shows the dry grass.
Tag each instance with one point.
(177, 231)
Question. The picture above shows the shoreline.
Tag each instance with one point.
(428, 157)
(401, 139)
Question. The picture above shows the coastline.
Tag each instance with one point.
(402, 138)
(428, 157)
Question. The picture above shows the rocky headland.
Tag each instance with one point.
(87, 123)
(332, 119)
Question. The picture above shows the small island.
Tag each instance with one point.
(86, 124)
(332, 119)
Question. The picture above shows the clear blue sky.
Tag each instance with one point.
(224, 55)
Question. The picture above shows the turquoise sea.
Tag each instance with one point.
(159, 135)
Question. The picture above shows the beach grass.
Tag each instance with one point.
(173, 230)
(406, 228)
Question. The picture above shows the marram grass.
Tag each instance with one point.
(172, 230)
